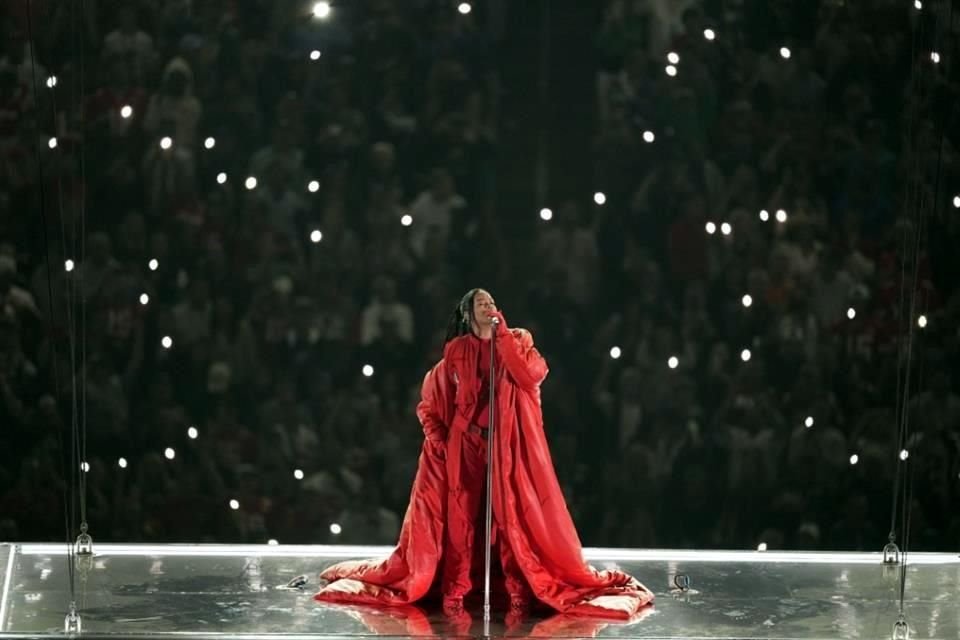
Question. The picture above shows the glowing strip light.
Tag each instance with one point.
(590, 553)
(11, 556)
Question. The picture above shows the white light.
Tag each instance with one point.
(904, 454)
(935, 57)
(234, 504)
(762, 546)
(546, 214)
(917, 5)
(315, 55)
(335, 529)
(673, 362)
(615, 352)
(648, 136)
(673, 58)
(153, 265)
(851, 313)
(52, 143)
(671, 70)
(316, 236)
(221, 177)
(250, 183)
(746, 300)
(192, 433)
(781, 215)
(726, 229)
(144, 298)
(367, 370)
(126, 111)
(85, 466)
(808, 422)
(321, 10)
(745, 355)
(406, 219)
(854, 459)
(298, 474)
(313, 186)
(68, 265)
(956, 202)
(209, 143)
(922, 321)
(785, 53)
(166, 142)
(51, 82)
(764, 215)
(122, 462)
(272, 542)
(464, 8)
(600, 197)
(711, 228)
(709, 34)
(169, 453)
(167, 342)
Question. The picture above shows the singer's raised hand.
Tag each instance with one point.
(500, 325)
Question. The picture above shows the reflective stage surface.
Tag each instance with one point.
(240, 591)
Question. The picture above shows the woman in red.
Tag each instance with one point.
(443, 533)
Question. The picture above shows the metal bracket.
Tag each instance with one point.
(901, 630)
(682, 581)
(72, 625)
(84, 546)
(891, 553)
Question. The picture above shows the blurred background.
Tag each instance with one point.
(731, 226)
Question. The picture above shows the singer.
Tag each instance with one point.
(442, 541)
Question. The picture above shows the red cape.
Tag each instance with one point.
(527, 501)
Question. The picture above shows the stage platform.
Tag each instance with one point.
(219, 591)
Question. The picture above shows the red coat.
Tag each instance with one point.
(526, 497)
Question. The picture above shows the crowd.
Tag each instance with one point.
(248, 229)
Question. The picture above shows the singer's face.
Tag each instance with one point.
(483, 307)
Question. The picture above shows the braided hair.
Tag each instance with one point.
(461, 320)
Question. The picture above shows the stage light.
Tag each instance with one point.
(313, 186)
(250, 183)
(600, 197)
(851, 313)
(935, 57)
(709, 34)
(673, 58)
(272, 542)
(922, 321)
(725, 228)
(546, 214)
(52, 143)
(192, 433)
(746, 300)
(234, 504)
(51, 82)
(854, 459)
(68, 265)
(745, 355)
(615, 353)
(781, 216)
(209, 143)
(144, 298)
(221, 177)
(153, 265)
(764, 215)
(406, 219)
(169, 453)
(762, 546)
(298, 474)
(956, 202)
(917, 4)
(167, 342)
(166, 142)
(904, 454)
(122, 462)
(671, 70)
(316, 236)
(648, 136)
(673, 362)
(711, 228)
(85, 466)
(126, 111)
(321, 10)
(335, 529)
(785, 53)
(315, 55)
(464, 8)
(367, 370)
(808, 422)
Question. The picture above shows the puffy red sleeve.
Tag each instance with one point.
(523, 362)
(435, 409)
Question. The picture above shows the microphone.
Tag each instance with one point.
(494, 320)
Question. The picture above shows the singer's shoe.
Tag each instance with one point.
(452, 605)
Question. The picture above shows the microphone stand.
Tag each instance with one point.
(491, 420)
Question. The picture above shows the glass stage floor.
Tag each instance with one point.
(213, 591)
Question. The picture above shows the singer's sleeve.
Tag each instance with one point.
(523, 362)
(435, 408)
